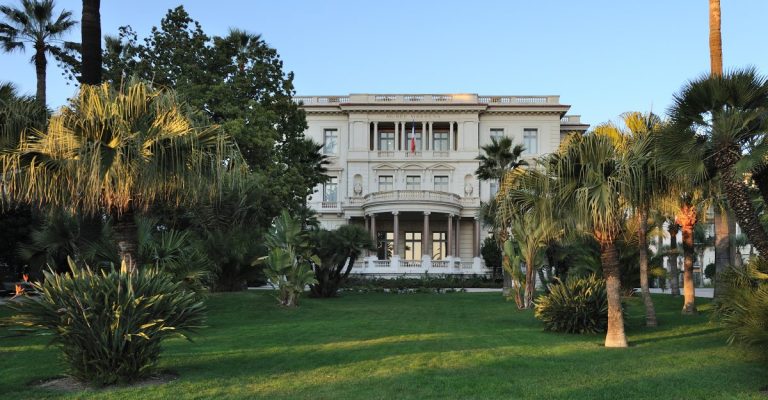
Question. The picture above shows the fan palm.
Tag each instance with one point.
(589, 179)
(17, 114)
(717, 130)
(500, 157)
(35, 25)
(645, 183)
(118, 152)
(337, 250)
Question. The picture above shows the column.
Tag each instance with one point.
(396, 233)
(476, 239)
(425, 235)
(367, 225)
(423, 136)
(397, 133)
(449, 243)
(450, 137)
(375, 136)
(373, 229)
(430, 135)
(458, 237)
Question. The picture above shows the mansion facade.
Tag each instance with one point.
(403, 166)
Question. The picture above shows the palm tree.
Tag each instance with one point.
(34, 24)
(587, 179)
(645, 183)
(242, 40)
(499, 158)
(116, 153)
(526, 210)
(91, 42)
(674, 276)
(17, 114)
(715, 40)
(686, 217)
(717, 130)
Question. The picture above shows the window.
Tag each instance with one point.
(441, 184)
(387, 141)
(494, 188)
(413, 182)
(440, 142)
(413, 246)
(330, 141)
(384, 243)
(330, 189)
(386, 183)
(439, 245)
(497, 133)
(531, 141)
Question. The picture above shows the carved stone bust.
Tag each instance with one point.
(468, 189)
(358, 189)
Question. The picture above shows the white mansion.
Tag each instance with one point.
(404, 167)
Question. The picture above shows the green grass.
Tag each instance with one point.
(417, 346)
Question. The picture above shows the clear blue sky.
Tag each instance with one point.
(603, 57)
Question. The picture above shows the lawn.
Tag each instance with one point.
(417, 346)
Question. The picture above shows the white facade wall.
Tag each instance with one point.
(358, 164)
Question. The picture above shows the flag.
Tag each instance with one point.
(413, 137)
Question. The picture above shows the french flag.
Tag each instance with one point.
(413, 136)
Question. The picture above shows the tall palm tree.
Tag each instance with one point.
(501, 156)
(717, 130)
(90, 30)
(242, 40)
(674, 276)
(645, 184)
(116, 153)
(34, 24)
(587, 178)
(715, 39)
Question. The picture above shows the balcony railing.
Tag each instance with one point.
(468, 98)
(426, 195)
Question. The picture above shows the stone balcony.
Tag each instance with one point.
(401, 200)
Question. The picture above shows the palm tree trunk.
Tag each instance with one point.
(91, 42)
(735, 251)
(687, 220)
(40, 65)
(674, 274)
(609, 257)
(741, 204)
(650, 312)
(127, 236)
(530, 283)
(722, 246)
(715, 39)
(507, 284)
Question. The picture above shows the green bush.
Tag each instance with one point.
(110, 324)
(743, 305)
(578, 305)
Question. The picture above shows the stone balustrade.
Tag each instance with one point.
(464, 98)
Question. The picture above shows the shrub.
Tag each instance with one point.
(710, 271)
(289, 262)
(110, 324)
(743, 306)
(578, 305)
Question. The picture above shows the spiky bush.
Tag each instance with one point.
(578, 305)
(110, 324)
(743, 306)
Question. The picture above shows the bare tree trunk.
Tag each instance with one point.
(40, 65)
(127, 237)
(715, 39)
(650, 312)
(91, 42)
(530, 283)
(687, 220)
(609, 257)
(722, 246)
(674, 274)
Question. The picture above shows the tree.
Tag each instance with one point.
(717, 130)
(34, 24)
(500, 157)
(117, 152)
(289, 259)
(687, 217)
(645, 184)
(588, 183)
(91, 42)
(238, 82)
(337, 250)
(674, 275)
(715, 39)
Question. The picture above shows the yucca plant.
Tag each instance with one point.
(578, 305)
(110, 324)
(743, 307)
